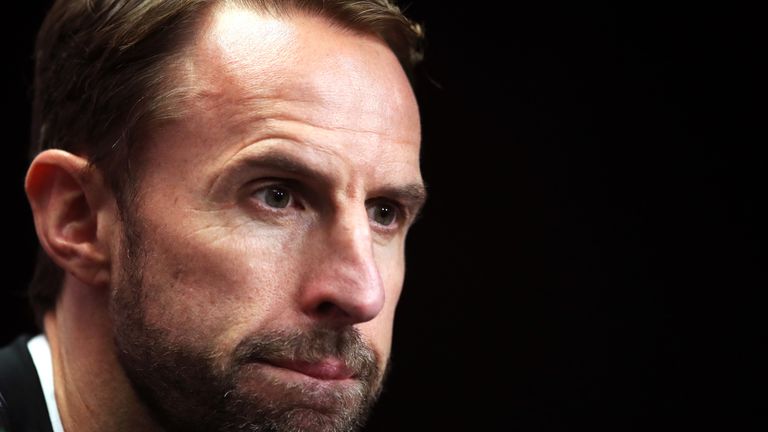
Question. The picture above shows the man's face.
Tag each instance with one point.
(260, 268)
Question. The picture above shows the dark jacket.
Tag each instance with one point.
(22, 404)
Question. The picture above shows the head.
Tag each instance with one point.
(236, 180)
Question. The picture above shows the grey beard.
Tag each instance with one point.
(189, 390)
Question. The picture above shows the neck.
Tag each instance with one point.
(92, 392)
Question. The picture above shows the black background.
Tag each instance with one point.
(592, 255)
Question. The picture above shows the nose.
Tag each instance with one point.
(344, 285)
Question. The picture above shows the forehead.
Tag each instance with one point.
(333, 97)
(326, 75)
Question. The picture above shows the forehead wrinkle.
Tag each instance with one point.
(303, 123)
(387, 151)
(258, 128)
(265, 114)
(265, 108)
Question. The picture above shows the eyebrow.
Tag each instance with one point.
(412, 195)
(273, 160)
(280, 162)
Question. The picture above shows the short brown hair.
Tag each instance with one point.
(102, 71)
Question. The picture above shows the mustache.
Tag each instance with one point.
(314, 345)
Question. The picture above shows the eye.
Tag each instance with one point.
(382, 213)
(274, 196)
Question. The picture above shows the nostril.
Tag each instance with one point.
(326, 308)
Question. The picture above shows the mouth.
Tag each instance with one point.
(328, 369)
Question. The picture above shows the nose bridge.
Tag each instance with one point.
(352, 234)
(346, 284)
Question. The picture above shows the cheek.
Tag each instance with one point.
(216, 281)
(390, 260)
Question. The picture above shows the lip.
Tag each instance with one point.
(329, 369)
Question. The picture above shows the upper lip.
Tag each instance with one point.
(325, 369)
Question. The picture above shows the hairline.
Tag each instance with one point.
(180, 64)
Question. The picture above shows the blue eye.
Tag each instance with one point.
(382, 213)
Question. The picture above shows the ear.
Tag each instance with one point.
(74, 214)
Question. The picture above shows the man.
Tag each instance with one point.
(222, 190)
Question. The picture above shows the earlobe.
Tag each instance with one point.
(70, 204)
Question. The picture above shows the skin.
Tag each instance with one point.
(324, 114)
